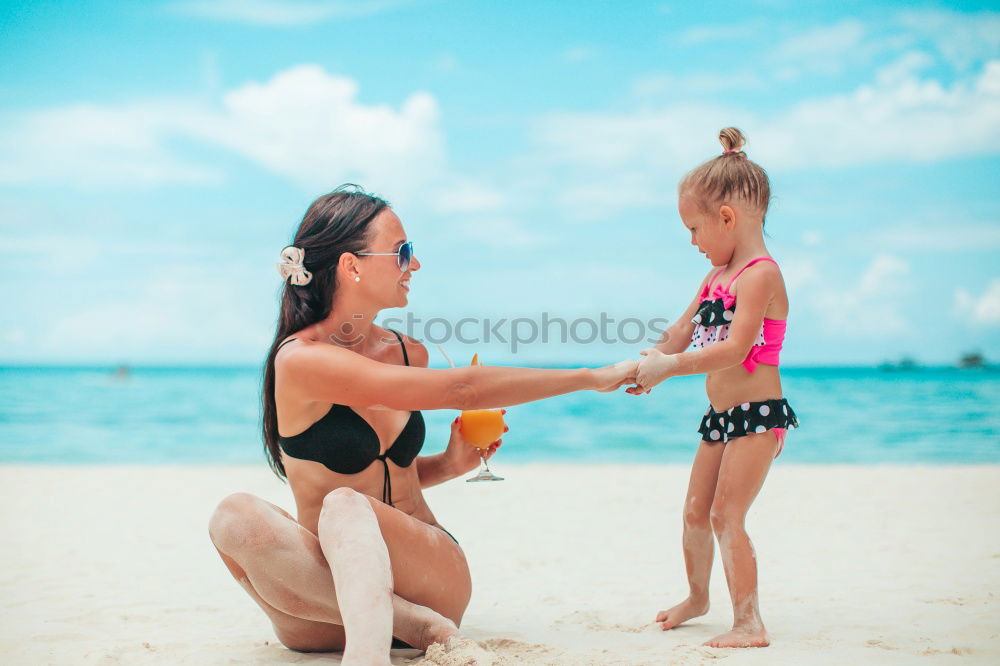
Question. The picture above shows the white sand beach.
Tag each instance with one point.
(858, 565)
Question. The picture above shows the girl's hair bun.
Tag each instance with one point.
(731, 176)
(732, 140)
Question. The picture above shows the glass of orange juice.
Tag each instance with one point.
(482, 427)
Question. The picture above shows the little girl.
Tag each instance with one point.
(723, 203)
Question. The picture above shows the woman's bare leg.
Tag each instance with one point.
(294, 633)
(698, 539)
(745, 464)
(282, 566)
(362, 574)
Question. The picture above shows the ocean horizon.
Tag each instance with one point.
(190, 414)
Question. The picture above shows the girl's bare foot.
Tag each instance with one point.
(682, 612)
(739, 637)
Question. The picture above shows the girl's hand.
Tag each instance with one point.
(611, 377)
(462, 456)
(653, 369)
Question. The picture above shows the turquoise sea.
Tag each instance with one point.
(211, 415)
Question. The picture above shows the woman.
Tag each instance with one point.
(365, 559)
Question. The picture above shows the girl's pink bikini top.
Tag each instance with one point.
(715, 313)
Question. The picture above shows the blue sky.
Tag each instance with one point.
(155, 157)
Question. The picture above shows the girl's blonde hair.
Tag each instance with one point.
(731, 176)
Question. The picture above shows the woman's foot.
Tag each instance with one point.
(682, 612)
(420, 626)
(740, 638)
(459, 649)
(441, 630)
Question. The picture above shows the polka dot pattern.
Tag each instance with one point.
(746, 419)
(712, 324)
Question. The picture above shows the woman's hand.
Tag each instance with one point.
(653, 369)
(612, 377)
(463, 457)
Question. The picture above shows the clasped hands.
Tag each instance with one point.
(650, 370)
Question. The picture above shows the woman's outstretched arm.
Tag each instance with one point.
(325, 373)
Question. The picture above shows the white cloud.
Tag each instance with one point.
(497, 231)
(911, 119)
(281, 13)
(53, 254)
(962, 38)
(868, 307)
(983, 308)
(627, 188)
(823, 50)
(309, 126)
(304, 124)
(903, 68)
(468, 197)
(175, 314)
(903, 120)
(643, 138)
(947, 236)
(799, 271)
(91, 253)
(91, 145)
(610, 162)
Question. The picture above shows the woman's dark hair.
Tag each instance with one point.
(335, 223)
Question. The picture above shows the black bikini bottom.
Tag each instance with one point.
(449, 534)
(747, 419)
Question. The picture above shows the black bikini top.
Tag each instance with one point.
(347, 444)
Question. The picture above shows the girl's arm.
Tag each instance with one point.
(321, 372)
(757, 288)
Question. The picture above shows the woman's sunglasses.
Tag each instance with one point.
(403, 255)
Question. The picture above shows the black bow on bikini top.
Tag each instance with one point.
(714, 313)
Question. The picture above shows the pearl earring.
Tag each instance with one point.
(357, 278)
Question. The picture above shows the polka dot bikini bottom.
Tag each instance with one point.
(747, 419)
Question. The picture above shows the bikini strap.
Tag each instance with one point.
(748, 266)
(284, 343)
(708, 287)
(406, 357)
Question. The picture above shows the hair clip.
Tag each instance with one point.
(292, 268)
